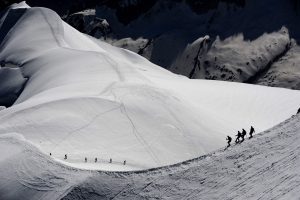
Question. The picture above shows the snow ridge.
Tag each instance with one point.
(265, 167)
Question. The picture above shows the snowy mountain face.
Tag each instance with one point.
(85, 98)
(248, 42)
(82, 119)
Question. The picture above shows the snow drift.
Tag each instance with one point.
(86, 98)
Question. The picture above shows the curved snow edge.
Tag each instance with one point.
(15, 137)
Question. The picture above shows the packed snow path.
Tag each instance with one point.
(265, 167)
(85, 98)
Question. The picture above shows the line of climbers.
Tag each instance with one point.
(85, 159)
(240, 136)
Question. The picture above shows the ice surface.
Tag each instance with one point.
(86, 98)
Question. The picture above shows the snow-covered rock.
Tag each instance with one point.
(87, 22)
(233, 59)
(284, 72)
(246, 37)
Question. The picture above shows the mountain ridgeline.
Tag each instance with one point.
(126, 10)
(246, 41)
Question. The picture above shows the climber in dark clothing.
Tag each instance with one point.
(239, 135)
(251, 132)
(228, 141)
(66, 156)
(298, 111)
(243, 135)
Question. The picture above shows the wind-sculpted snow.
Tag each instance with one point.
(88, 99)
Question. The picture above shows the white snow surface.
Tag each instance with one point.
(86, 98)
(265, 167)
(26, 173)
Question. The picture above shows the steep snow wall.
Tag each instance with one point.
(86, 98)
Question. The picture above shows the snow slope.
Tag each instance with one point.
(265, 167)
(26, 173)
(86, 98)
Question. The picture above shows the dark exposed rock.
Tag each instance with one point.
(87, 22)
(202, 6)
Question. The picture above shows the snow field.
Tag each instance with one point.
(86, 98)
